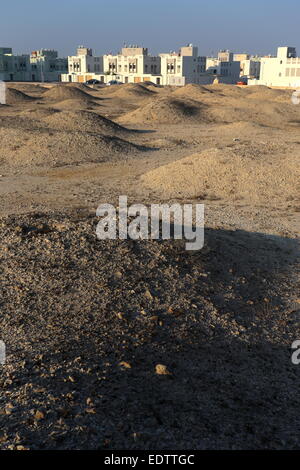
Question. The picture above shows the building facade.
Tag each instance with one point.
(46, 66)
(280, 71)
(133, 65)
(250, 69)
(224, 68)
(14, 67)
(83, 66)
(183, 67)
(239, 57)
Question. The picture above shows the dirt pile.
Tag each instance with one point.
(49, 147)
(218, 104)
(129, 91)
(192, 91)
(65, 92)
(252, 173)
(28, 88)
(168, 111)
(85, 121)
(15, 97)
(89, 324)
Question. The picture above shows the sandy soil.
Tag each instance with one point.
(88, 325)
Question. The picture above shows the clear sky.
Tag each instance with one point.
(255, 26)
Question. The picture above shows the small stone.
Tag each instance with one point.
(39, 415)
(154, 319)
(148, 295)
(8, 409)
(125, 365)
(160, 369)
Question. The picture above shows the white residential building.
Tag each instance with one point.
(224, 68)
(84, 66)
(183, 67)
(250, 68)
(281, 71)
(46, 66)
(240, 56)
(13, 67)
(132, 65)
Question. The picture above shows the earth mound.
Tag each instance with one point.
(192, 91)
(49, 147)
(242, 173)
(14, 96)
(131, 90)
(168, 110)
(85, 121)
(65, 92)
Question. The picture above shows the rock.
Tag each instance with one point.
(154, 319)
(125, 365)
(39, 415)
(161, 369)
(118, 275)
(148, 295)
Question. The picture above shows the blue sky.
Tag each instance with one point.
(256, 26)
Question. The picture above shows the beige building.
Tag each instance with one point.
(250, 68)
(241, 57)
(224, 68)
(183, 67)
(225, 56)
(132, 65)
(280, 71)
(84, 66)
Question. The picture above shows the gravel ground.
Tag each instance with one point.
(142, 345)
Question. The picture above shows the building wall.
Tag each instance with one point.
(46, 66)
(250, 69)
(182, 68)
(13, 67)
(85, 64)
(225, 56)
(225, 71)
(132, 64)
(280, 71)
(241, 57)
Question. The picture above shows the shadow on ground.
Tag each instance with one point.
(86, 323)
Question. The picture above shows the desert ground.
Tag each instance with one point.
(140, 344)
